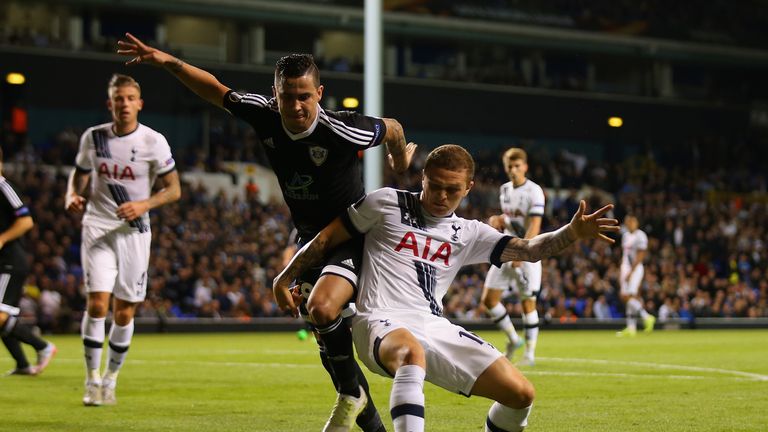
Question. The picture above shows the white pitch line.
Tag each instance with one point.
(207, 363)
(624, 375)
(750, 375)
(740, 375)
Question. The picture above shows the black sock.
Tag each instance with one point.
(14, 347)
(24, 334)
(327, 365)
(337, 340)
(368, 420)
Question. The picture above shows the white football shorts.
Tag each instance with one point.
(633, 286)
(525, 280)
(116, 261)
(455, 356)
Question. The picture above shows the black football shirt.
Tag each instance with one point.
(319, 170)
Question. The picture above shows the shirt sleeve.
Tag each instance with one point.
(362, 216)
(487, 246)
(360, 131)
(247, 106)
(537, 202)
(642, 241)
(11, 199)
(162, 159)
(83, 159)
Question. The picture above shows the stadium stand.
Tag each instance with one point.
(687, 162)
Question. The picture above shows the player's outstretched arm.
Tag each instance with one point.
(308, 256)
(400, 153)
(581, 227)
(203, 83)
(170, 192)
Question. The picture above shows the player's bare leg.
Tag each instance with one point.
(13, 333)
(512, 392)
(634, 309)
(531, 323)
(93, 331)
(353, 405)
(120, 336)
(404, 358)
(491, 299)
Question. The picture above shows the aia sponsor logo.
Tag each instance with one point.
(409, 242)
(115, 171)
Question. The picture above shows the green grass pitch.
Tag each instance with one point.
(585, 381)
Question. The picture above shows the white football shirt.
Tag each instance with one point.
(631, 243)
(123, 168)
(518, 203)
(410, 258)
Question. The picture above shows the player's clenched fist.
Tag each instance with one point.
(74, 203)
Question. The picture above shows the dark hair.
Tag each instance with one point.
(297, 65)
(451, 157)
(1, 154)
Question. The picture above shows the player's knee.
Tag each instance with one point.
(490, 298)
(123, 317)
(531, 318)
(322, 310)
(526, 394)
(97, 308)
(521, 395)
(411, 354)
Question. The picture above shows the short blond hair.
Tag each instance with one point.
(120, 80)
(451, 157)
(515, 154)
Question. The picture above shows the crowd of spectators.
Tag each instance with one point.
(707, 254)
(215, 256)
(212, 256)
(719, 21)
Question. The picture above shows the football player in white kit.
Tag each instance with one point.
(414, 246)
(522, 206)
(634, 243)
(122, 159)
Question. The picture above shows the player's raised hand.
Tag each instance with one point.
(410, 149)
(141, 52)
(74, 203)
(593, 225)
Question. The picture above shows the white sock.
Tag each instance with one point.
(119, 342)
(500, 316)
(631, 322)
(531, 321)
(505, 419)
(633, 307)
(637, 307)
(92, 332)
(406, 401)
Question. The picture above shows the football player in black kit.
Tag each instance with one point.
(314, 153)
(15, 221)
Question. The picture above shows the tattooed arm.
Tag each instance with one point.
(400, 153)
(199, 81)
(545, 245)
(307, 257)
